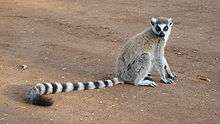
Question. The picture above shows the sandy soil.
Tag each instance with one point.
(66, 40)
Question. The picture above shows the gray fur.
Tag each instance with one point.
(143, 52)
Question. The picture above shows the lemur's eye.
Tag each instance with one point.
(158, 28)
(165, 28)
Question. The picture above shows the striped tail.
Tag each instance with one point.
(35, 94)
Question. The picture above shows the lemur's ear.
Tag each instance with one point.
(170, 21)
(153, 21)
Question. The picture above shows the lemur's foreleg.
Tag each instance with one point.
(165, 72)
(169, 73)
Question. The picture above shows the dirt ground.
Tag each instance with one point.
(78, 40)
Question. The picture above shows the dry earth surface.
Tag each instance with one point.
(78, 40)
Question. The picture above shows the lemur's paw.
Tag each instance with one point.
(153, 84)
(167, 81)
(147, 83)
(172, 76)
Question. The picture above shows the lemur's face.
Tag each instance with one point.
(161, 26)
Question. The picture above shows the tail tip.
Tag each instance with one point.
(40, 101)
(34, 97)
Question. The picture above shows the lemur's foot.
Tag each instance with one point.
(147, 82)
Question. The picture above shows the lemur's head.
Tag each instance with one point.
(161, 26)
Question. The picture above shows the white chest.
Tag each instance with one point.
(158, 50)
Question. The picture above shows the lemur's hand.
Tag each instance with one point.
(172, 76)
(169, 74)
(167, 81)
(169, 78)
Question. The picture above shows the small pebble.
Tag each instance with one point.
(22, 67)
(112, 105)
(189, 57)
(194, 51)
(179, 53)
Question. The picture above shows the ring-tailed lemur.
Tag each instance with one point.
(139, 55)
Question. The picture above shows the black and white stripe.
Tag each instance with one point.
(52, 88)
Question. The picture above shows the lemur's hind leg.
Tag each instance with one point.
(145, 80)
(141, 66)
(148, 78)
(149, 75)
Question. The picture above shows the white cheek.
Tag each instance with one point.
(167, 34)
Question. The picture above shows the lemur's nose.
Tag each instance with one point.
(161, 34)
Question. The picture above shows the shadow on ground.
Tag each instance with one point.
(16, 92)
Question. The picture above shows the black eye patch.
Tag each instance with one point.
(165, 28)
(157, 28)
